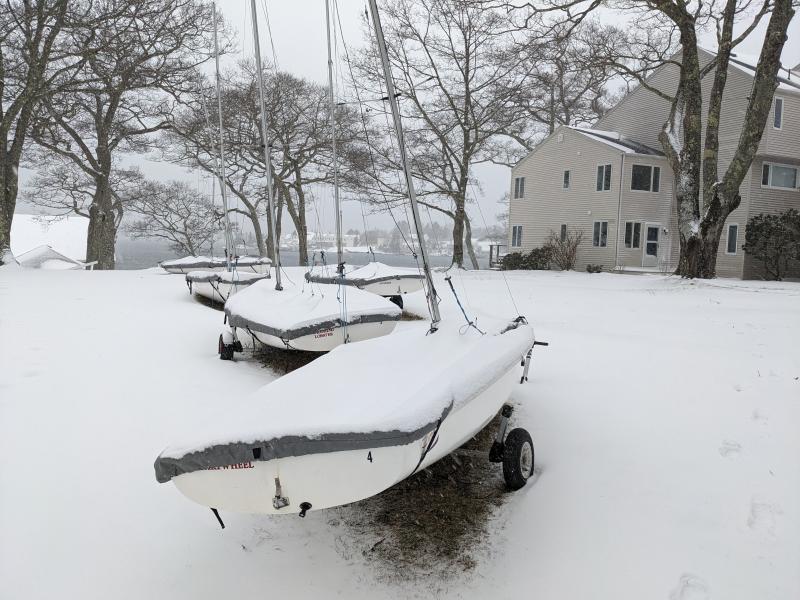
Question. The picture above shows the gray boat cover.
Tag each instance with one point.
(364, 275)
(222, 455)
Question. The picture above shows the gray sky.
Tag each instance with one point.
(299, 39)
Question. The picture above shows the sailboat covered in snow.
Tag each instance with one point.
(374, 277)
(365, 416)
(238, 272)
(313, 317)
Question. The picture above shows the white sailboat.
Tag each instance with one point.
(365, 416)
(312, 317)
(374, 277)
(237, 272)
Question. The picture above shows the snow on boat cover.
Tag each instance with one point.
(372, 273)
(317, 409)
(297, 311)
(196, 263)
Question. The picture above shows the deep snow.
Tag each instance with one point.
(665, 415)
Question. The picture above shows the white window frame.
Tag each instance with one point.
(518, 240)
(727, 239)
(778, 187)
(599, 243)
(566, 179)
(775, 111)
(519, 188)
(652, 178)
(633, 225)
(610, 177)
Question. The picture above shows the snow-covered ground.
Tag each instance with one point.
(665, 415)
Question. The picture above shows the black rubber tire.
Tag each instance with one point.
(397, 300)
(225, 350)
(514, 472)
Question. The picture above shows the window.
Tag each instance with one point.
(563, 233)
(516, 236)
(519, 187)
(645, 178)
(779, 176)
(600, 234)
(777, 118)
(633, 234)
(733, 234)
(603, 178)
(566, 180)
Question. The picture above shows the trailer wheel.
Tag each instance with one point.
(517, 458)
(397, 300)
(225, 350)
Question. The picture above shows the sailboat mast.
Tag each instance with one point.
(229, 247)
(339, 253)
(412, 195)
(265, 143)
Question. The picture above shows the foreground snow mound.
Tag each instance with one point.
(403, 385)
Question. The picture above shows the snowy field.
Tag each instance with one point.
(665, 415)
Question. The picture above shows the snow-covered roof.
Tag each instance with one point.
(44, 257)
(616, 141)
(67, 235)
(746, 63)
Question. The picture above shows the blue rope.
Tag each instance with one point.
(472, 324)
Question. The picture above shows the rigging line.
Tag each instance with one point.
(386, 201)
(486, 226)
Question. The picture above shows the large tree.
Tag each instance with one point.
(141, 57)
(456, 82)
(298, 120)
(705, 195)
(31, 64)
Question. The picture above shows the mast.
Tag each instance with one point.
(412, 195)
(340, 259)
(265, 142)
(229, 247)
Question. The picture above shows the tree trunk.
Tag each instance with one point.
(468, 241)
(258, 233)
(8, 196)
(458, 235)
(101, 235)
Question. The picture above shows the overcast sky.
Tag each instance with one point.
(298, 29)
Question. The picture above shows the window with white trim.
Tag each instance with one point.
(645, 178)
(733, 234)
(600, 234)
(778, 176)
(777, 114)
(633, 234)
(566, 180)
(519, 187)
(603, 178)
(516, 236)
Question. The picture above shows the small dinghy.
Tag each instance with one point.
(317, 438)
(311, 317)
(375, 277)
(193, 263)
(218, 286)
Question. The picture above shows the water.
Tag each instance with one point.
(143, 254)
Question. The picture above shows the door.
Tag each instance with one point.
(650, 254)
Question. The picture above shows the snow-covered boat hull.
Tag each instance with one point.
(323, 340)
(219, 286)
(375, 278)
(349, 438)
(187, 264)
(329, 479)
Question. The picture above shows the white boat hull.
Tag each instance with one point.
(393, 287)
(323, 340)
(219, 291)
(181, 270)
(332, 479)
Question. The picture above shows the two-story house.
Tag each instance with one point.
(614, 185)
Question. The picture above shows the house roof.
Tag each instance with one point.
(616, 141)
(746, 64)
(44, 257)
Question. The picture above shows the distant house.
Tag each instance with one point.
(44, 257)
(613, 183)
(65, 236)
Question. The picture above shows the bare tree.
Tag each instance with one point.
(175, 212)
(705, 197)
(298, 120)
(29, 47)
(141, 56)
(456, 83)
